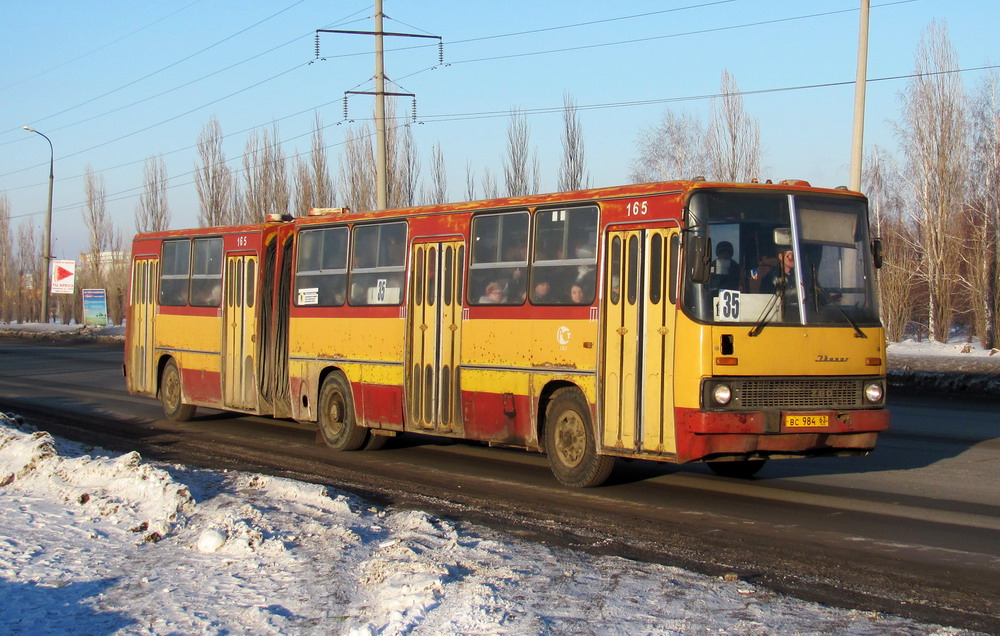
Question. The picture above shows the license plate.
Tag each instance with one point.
(806, 421)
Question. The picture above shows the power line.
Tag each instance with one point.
(168, 66)
(558, 109)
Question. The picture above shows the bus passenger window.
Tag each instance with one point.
(564, 267)
(206, 275)
(498, 272)
(378, 265)
(176, 262)
(321, 270)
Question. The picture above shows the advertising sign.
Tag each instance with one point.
(95, 307)
(63, 277)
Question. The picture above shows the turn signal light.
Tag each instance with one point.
(727, 361)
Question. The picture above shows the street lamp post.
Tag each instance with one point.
(47, 255)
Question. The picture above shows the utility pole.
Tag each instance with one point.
(47, 255)
(857, 144)
(381, 151)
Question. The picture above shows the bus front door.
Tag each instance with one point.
(239, 376)
(434, 340)
(142, 372)
(638, 400)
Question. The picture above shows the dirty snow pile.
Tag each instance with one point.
(96, 543)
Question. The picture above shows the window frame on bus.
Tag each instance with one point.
(384, 264)
(174, 284)
(550, 262)
(206, 286)
(498, 258)
(328, 269)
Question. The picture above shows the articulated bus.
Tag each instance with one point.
(676, 322)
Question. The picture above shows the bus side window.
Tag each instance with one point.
(378, 265)
(206, 275)
(321, 270)
(498, 272)
(174, 271)
(564, 263)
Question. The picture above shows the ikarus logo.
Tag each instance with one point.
(825, 358)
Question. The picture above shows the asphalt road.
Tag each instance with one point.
(913, 529)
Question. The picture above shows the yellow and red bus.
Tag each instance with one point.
(678, 322)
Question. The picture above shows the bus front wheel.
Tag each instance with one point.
(170, 395)
(336, 415)
(570, 443)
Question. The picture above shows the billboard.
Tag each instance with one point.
(63, 277)
(95, 307)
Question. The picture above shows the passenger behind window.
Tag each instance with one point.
(493, 295)
(540, 295)
(725, 270)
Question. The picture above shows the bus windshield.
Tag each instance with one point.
(781, 259)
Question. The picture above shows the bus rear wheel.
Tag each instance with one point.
(570, 442)
(743, 469)
(336, 415)
(170, 395)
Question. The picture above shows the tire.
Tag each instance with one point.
(171, 395)
(336, 415)
(744, 469)
(375, 442)
(570, 442)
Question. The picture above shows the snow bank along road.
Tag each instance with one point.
(913, 530)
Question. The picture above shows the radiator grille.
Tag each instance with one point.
(778, 393)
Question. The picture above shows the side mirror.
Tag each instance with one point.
(877, 253)
(699, 259)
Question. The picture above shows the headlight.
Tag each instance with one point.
(722, 394)
(873, 392)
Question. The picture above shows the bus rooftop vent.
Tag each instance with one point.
(279, 218)
(327, 211)
(795, 182)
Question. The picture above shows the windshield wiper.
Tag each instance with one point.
(763, 320)
(819, 290)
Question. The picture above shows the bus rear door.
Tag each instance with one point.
(637, 364)
(141, 315)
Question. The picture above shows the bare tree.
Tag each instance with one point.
(896, 279)
(520, 173)
(934, 137)
(404, 167)
(573, 171)
(266, 180)
(985, 196)
(489, 183)
(439, 177)
(218, 192)
(357, 169)
(732, 143)
(470, 182)
(152, 214)
(7, 283)
(672, 149)
(313, 183)
(28, 275)
(99, 227)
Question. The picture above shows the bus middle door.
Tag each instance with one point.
(434, 338)
(638, 400)
(239, 376)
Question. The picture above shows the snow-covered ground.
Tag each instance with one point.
(97, 543)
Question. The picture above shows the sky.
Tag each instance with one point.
(116, 84)
(97, 542)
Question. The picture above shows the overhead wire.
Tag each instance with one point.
(121, 195)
